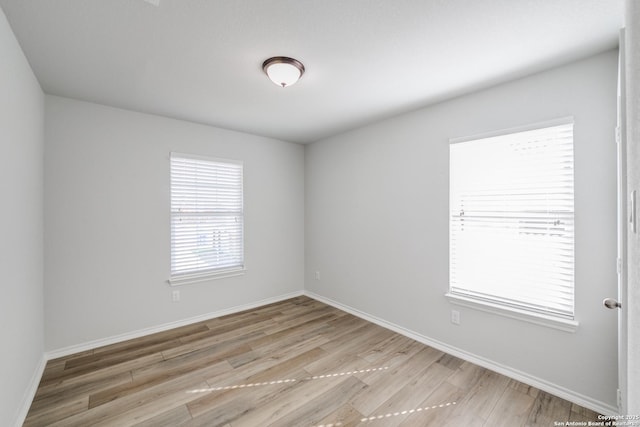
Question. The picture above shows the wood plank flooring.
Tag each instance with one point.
(294, 363)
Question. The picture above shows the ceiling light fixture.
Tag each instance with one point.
(282, 70)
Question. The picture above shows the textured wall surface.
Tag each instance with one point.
(107, 222)
(377, 224)
(21, 227)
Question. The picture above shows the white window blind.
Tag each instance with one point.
(512, 220)
(206, 216)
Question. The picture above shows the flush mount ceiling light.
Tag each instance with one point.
(282, 70)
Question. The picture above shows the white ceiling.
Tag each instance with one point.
(200, 60)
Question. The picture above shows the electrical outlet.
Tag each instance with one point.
(455, 317)
(175, 296)
(317, 275)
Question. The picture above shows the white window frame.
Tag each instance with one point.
(467, 296)
(216, 208)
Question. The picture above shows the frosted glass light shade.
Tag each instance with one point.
(283, 71)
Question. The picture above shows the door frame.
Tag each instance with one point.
(622, 201)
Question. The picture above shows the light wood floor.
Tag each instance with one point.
(294, 363)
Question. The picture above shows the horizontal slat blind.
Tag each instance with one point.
(206, 215)
(512, 220)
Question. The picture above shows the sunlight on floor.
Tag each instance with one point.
(288, 380)
(407, 412)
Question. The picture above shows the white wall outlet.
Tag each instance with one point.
(317, 275)
(455, 317)
(175, 296)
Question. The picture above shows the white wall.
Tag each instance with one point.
(632, 307)
(377, 225)
(107, 221)
(21, 223)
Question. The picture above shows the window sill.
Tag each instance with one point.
(188, 279)
(514, 313)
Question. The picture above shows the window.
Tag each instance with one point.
(206, 218)
(511, 221)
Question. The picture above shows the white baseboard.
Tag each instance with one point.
(556, 390)
(30, 392)
(66, 351)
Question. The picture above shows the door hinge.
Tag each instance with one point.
(619, 399)
(619, 265)
(618, 135)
